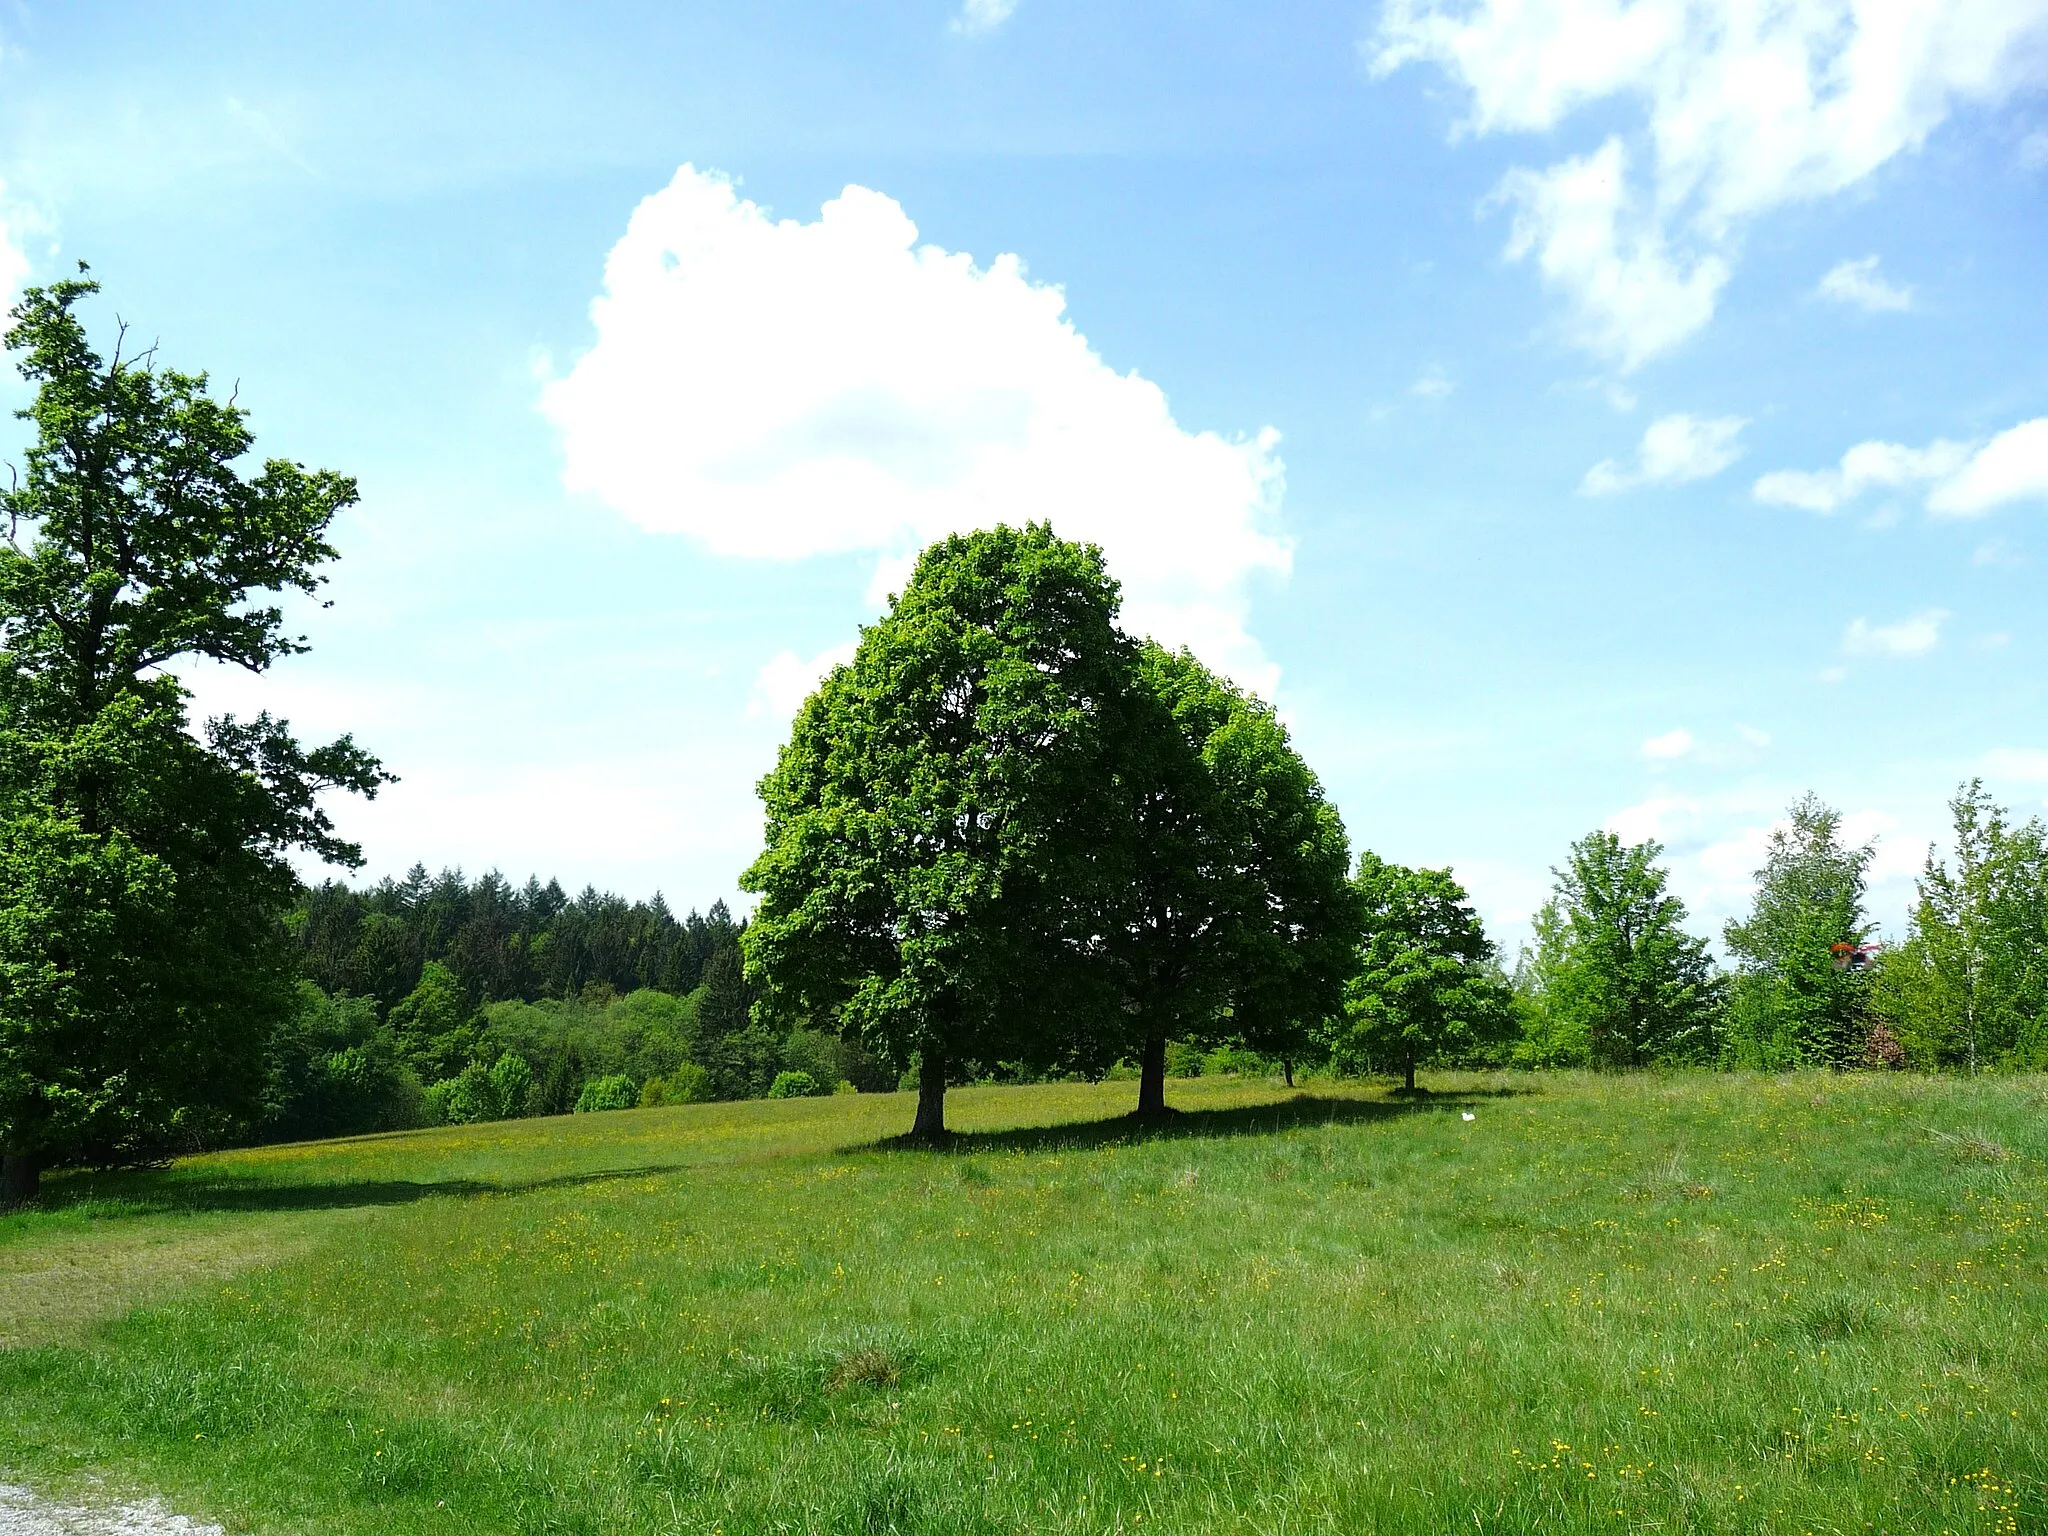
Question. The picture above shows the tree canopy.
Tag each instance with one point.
(1614, 968)
(1233, 919)
(140, 965)
(1799, 995)
(1422, 988)
(930, 881)
(1969, 987)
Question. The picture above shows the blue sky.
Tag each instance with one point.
(1475, 378)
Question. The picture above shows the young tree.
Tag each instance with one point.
(1800, 993)
(933, 821)
(142, 869)
(1970, 984)
(1423, 987)
(1234, 918)
(1626, 973)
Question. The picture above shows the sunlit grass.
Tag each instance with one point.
(1686, 1303)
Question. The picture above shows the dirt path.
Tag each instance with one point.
(24, 1513)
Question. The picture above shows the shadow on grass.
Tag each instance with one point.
(147, 1192)
(161, 1192)
(1303, 1110)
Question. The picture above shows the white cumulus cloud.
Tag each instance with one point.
(778, 389)
(1857, 283)
(1748, 106)
(1959, 479)
(1675, 450)
(1914, 635)
(2013, 466)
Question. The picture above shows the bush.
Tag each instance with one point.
(795, 1085)
(687, 1084)
(615, 1091)
(511, 1086)
(1235, 1061)
(1183, 1059)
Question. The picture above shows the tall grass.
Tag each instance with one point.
(1686, 1303)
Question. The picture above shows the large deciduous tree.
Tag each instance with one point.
(142, 869)
(1423, 988)
(1617, 968)
(1232, 915)
(932, 876)
(1800, 992)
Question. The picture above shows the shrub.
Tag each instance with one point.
(687, 1084)
(795, 1085)
(614, 1091)
(511, 1085)
(1183, 1059)
(1235, 1061)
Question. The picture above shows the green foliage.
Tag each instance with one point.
(1553, 1034)
(741, 1054)
(613, 1092)
(1236, 1061)
(144, 863)
(500, 942)
(927, 884)
(1424, 990)
(688, 1083)
(1232, 918)
(332, 1070)
(1184, 1058)
(1969, 987)
(1614, 966)
(432, 1025)
(796, 1085)
(512, 1086)
(1798, 997)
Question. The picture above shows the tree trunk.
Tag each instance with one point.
(21, 1178)
(1287, 1067)
(931, 1097)
(1410, 1084)
(1152, 1077)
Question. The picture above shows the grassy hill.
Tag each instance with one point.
(1549, 1303)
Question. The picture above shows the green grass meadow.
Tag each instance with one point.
(1712, 1303)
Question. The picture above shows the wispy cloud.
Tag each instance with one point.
(1857, 283)
(1914, 635)
(1668, 747)
(1745, 109)
(979, 16)
(1675, 449)
(1433, 385)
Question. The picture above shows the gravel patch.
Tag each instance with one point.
(24, 1512)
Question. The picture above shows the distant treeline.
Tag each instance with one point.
(499, 942)
(435, 999)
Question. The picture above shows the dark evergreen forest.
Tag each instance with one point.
(500, 942)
